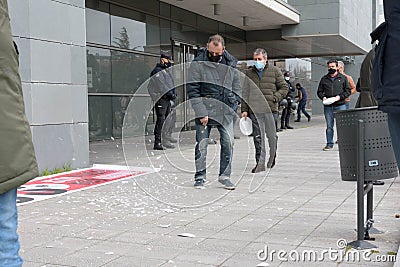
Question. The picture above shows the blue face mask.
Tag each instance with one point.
(259, 64)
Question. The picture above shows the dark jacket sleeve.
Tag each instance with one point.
(245, 93)
(194, 91)
(320, 90)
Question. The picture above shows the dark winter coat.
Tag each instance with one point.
(366, 99)
(161, 83)
(272, 86)
(385, 78)
(17, 157)
(330, 88)
(214, 89)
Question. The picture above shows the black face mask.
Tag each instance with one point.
(212, 58)
(167, 65)
(331, 71)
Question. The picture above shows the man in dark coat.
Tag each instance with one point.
(162, 91)
(214, 90)
(385, 78)
(366, 99)
(285, 118)
(17, 157)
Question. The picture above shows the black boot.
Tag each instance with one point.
(289, 127)
(158, 146)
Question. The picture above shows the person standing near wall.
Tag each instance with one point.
(162, 91)
(385, 78)
(17, 157)
(352, 85)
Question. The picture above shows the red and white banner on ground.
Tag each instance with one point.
(60, 184)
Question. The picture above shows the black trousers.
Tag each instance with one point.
(285, 117)
(163, 109)
(263, 126)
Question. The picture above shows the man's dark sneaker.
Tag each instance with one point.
(258, 168)
(168, 144)
(378, 182)
(170, 139)
(289, 127)
(227, 184)
(199, 184)
(298, 120)
(326, 148)
(158, 146)
(309, 118)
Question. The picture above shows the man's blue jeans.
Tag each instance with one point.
(9, 244)
(329, 119)
(394, 129)
(200, 152)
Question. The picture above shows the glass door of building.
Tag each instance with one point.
(183, 53)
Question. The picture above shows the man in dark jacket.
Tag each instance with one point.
(162, 91)
(261, 98)
(17, 157)
(214, 90)
(385, 78)
(302, 102)
(333, 89)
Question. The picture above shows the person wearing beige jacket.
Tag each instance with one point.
(352, 85)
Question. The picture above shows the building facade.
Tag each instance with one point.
(81, 61)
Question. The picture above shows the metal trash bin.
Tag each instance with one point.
(380, 162)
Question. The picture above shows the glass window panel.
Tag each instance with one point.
(98, 70)
(134, 30)
(206, 24)
(97, 27)
(100, 117)
(151, 6)
(183, 32)
(130, 70)
(165, 10)
(183, 16)
(235, 32)
(165, 33)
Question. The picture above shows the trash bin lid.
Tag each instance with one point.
(246, 126)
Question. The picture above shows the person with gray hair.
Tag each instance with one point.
(352, 85)
(270, 82)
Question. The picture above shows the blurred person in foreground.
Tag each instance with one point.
(385, 78)
(17, 157)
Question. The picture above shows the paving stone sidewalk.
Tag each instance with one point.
(302, 207)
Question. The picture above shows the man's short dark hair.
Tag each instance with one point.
(297, 84)
(332, 61)
(216, 39)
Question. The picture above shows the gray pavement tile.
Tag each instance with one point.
(125, 261)
(46, 254)
(86, 258)
(176, 241)
(222, 245)
(281, 239)
(242, 259)
(134, 237)
(173, 263)
(196, 255)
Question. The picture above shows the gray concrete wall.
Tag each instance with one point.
(51, 36)
(355, 21)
